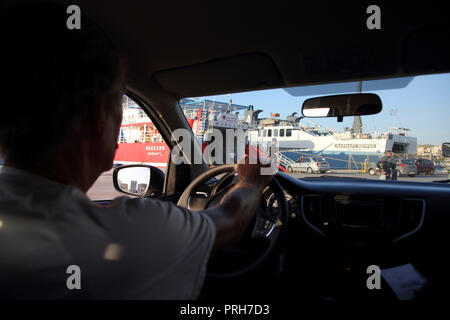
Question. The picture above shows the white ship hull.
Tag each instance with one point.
(342, 144)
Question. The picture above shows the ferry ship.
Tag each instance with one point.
(140, 141)
(347, 149)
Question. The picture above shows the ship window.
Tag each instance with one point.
(281, 132)
(275, 132)
(269, 132)
(288, 132)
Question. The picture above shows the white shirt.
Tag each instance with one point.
(133, 248)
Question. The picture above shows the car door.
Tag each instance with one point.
(420, 165)
(299, 165)
(305, 164)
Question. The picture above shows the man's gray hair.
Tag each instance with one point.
(51, 78)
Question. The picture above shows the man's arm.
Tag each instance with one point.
(238, 206)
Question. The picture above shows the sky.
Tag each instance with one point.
(422, 105)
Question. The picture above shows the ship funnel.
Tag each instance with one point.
(293, 119)
(357, 125)
(251, 116)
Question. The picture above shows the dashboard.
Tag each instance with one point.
(358, 211)
(364, 210)
(343, 225)
(337, 227)
(362, 218)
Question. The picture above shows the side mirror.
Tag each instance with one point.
(446, 149)
(138, 180)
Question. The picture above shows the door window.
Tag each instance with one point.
(139, 141)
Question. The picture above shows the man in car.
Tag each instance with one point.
(61, 113)
(389, 165)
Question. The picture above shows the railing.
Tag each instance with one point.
(284, 161)
(348, 161)
(131, 119)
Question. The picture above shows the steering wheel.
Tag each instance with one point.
(267, 228)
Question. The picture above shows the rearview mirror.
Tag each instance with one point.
(138, 180)
(342, 105)
(446, 149)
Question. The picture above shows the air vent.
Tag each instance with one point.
(411, 216)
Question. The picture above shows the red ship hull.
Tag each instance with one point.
(151, 153)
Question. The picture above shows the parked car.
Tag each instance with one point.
(309, 165)
(425, 166)
(373, 168)
(406, 167)
(371, 164)
(378, 168)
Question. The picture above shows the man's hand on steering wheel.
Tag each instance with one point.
(238, 206)
(232, 209)
(252, 174)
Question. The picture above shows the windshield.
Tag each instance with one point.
(413, 124)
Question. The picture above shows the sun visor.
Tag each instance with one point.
(428, 51)
(239, 73)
